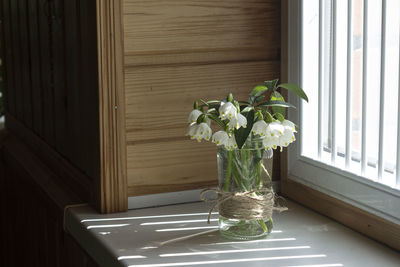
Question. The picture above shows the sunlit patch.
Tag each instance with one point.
(107, 225)
(104, 233)
(318, 265)
(149, 217)
(229, 261)
(251, 241)
(131, 257)
(149, 247)
(186, 229)
(174, 222)
(230, 251)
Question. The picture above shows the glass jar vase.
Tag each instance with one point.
(246, 198)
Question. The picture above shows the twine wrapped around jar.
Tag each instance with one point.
(250, 205)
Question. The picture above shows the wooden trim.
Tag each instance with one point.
(361, 221)
(111, 191)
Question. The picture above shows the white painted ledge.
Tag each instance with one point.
(300, 238)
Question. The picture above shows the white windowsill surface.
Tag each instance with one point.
(300, 238)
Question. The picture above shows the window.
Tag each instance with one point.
(345, 54)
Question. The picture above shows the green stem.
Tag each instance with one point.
(263, 225)
(228, 172)
(236, 176)
(258, 167)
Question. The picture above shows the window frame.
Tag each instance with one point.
(323, 178)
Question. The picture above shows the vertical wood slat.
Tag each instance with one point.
(89, 94)
(25, 62)
(364, 90)
(16, 58)
(382, 92)
(333, 83)
(112, 190)
(349, 80)
(73, 77)
(8, 74)
(60, 94)
(321, 20)
(46, 72)
(398, 129)
(34, 67)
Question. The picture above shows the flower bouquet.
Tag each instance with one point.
(250, 131)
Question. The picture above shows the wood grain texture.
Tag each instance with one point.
(158, 99)
(112, 187)
(171, 165)
(200, 31)
(158, 152)
(179, 51)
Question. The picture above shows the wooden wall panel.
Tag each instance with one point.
(200, 31)
(179, 51)
(158, 99)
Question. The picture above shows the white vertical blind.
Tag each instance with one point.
(352, 121)
(349, 81)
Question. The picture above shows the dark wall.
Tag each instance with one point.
(49, 157)
(50, 75)
(31, 224)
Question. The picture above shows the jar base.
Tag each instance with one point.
(244, 229)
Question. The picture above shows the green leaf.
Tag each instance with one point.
(277, 103)
(258, 90)
(201, 118)
(276, 96)
(271, 85)
(217, 120)
(295, 89)
(247, 109)
(259, 98)
(242, 133)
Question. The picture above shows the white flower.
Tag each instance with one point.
(227, 111)
(199, 131)
(238, 121)
(260, 128)
(220, 138)
(271, 142)
(194, 115)
(290, 125)
(192, 130)
(203, 131)
(287, 138)
(275, 128)
(231, 143)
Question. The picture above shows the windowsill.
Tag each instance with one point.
(300, 237)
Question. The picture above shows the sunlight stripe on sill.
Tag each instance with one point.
(131, 257)
(229, 261)
(174, 222)
(147, 217)
(318, 265)
(250, 241)
(107, 225)
(230, 251)
(196, 228)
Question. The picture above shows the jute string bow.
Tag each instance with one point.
(250, 205)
